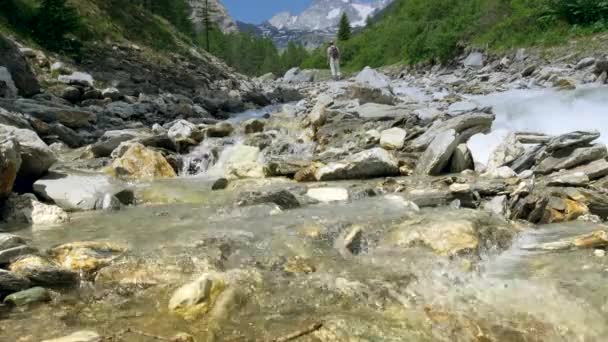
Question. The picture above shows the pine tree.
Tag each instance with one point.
(344, 29)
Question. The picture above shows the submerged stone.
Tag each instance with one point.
(30, 296)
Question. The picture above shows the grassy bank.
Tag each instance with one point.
(414, 31)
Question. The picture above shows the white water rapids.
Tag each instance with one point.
(542, 111)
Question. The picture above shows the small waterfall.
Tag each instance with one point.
(200, 159)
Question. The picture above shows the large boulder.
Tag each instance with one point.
(465, 125)
(22, 75)
(51, 112)
(142, 163)
(437, 156)
(373, 78)
(244, 162)
(27, 209)
(110, 140)
(7, 86)
(36, 156)
(474, 60)
(297, 75)
(78, 78)
(41, 271)
(570, 158)
(81, 191)
(372, 163)
(372, 87)
(10, 162)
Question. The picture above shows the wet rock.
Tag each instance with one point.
(327, 195)
(71, 94)
(42, 272)
(437, 156)
(80, 191)
(110, 140)
(29, 296)
(36, 156)
(79, 336)
(461, 159)
(444, 238)
(11, 282)
(77, 78)
(10, 162)
(57, 131)
(569, 158)
(108, 203)
(10, 241)
(393, 138)
(244, 163)
(563, 210)
(306, 174)
(7, 86)
(27, 209)
(350, 242)
(24, 78)
(465, 125)
(185, 133)
(372, 163)
(571, 139)
(299, 265)
(220, 130)
(220, 184)
(284, 166)
(142, 163)
(497, 205)
(86, 256)
(424, 198)
(10, 254)
(254, 126)
(198, 297)
(283, 198)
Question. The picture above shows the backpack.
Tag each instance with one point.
(334, 52)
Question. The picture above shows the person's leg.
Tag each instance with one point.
(332, 65)
(338, 74)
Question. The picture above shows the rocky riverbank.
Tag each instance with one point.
(373, 208)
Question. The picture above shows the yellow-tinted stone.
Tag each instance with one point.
(142, 163)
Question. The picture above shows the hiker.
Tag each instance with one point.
(333, 57)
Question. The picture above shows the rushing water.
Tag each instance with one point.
(546, 111)
(386, 293)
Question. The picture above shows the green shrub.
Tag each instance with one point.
(579, 12)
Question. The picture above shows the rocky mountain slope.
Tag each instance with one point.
(318, 23)
(219, 15)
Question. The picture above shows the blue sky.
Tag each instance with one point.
(256, 11)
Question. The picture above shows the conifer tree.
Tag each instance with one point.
(344, 29)
(54, 19)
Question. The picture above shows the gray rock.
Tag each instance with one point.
(571, 139)
(584, 63)
(498, 205)
(14, 119)
(465, 125)
(9, 241)
(10, 162)
(297, 75)
(36, 156)
(594, 170)
(220, 184)
(437, 156)
(462, 107)
(92, 94)
(474, 60)
(110, 140)
(29, 296)
(366, 94)
(350, 242)
(65, 135)
(185, 133)
(254, 126)
(109, 203)
(380, 111)
(502, 172)
(51, 112)
(372, 163)
(570, 158)
(10, 254)
(80, 336)
(461, 159)
(27, 209)
(22, 75)
(193, 293)
(43, 272)
(372, 78)
(78, 78)
(7, 86)
(220, 130)
(601, 67)
(111, 93)
(529, 70)
(568, 179)
(78, 191)
(71, 94)
(11, 282)
(393, 138)
(283, 198)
